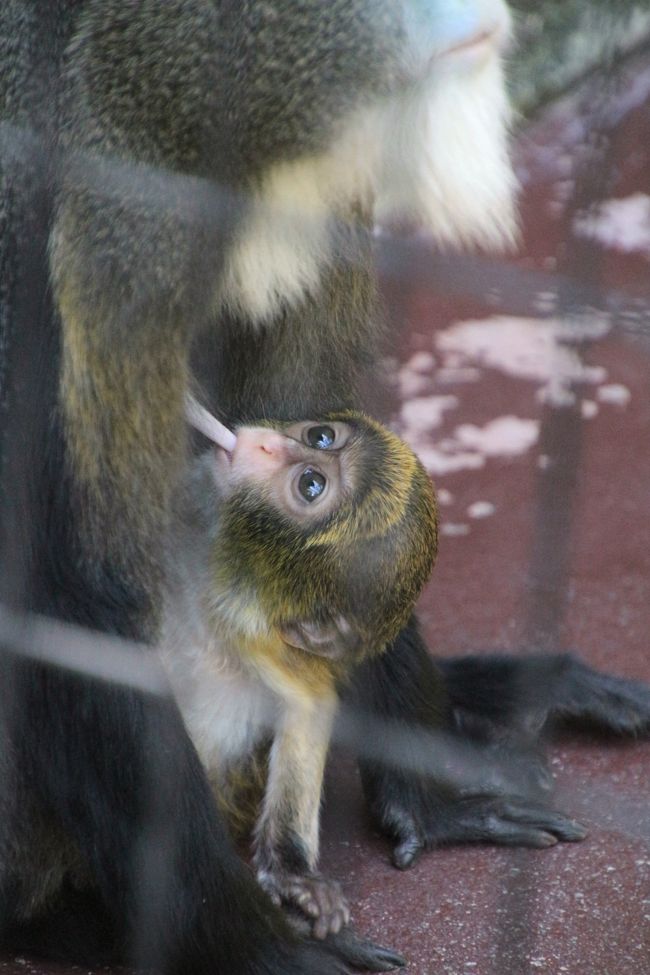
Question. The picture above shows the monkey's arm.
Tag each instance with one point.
(287, 834)
(441, 785)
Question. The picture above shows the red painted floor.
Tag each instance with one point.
(536, 426)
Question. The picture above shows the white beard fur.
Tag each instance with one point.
(445, 162)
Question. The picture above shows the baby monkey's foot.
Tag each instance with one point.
(320, 899)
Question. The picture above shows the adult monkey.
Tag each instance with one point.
(213, 171)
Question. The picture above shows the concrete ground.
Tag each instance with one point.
(525, 385)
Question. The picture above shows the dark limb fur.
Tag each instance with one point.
(313, 359)
(499, 705)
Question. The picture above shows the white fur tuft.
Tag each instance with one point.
(436, 155)
(284, 243)
(445, 163)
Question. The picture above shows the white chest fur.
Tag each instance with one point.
(226, 710)
(226, 707)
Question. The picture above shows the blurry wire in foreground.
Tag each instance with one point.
(87, 652)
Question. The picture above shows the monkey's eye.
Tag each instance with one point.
(320, 437)
(311, 484)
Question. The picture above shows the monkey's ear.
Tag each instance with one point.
(334, 639)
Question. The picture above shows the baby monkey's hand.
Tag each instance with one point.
(320, 899)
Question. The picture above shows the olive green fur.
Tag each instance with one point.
(367, 561)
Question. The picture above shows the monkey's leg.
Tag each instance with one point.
(444, 787)
(287, 834)
(116, 771)
(529, 690)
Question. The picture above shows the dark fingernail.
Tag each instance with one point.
(391, 958)
(405, 857)
(547, 839)
(577, 831)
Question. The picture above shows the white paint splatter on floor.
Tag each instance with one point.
(507, 436)
(543, 352)
(614, 393)
(425, 412)
(622, 225)
(452, 529)
(526, 348)
(481, 509)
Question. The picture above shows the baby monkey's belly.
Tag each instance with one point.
(231, 717)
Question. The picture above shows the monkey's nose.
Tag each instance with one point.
(262, 449)
(273, 444)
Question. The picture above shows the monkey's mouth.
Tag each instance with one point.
(473, 47)
(223, 438)
(465, 53)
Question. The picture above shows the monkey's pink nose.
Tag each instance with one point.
(261, 450)
(273, 443)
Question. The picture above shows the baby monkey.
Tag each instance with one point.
(300, 549)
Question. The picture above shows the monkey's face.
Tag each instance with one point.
(303, 470)
(328, 527)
